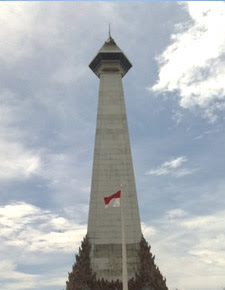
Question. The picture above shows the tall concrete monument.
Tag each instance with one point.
(114, 252)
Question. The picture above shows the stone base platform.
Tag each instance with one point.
(83, 278)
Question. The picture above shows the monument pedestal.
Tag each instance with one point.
(83, 278)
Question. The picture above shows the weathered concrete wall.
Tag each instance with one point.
(107, 260)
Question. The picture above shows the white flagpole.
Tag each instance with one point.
(124, 250)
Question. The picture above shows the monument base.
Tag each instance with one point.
(83, 278)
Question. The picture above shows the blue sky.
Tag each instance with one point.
(175, 99)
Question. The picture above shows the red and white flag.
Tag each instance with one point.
(113, 200)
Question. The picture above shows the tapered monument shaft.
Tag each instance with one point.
(114, 255)
(112, 167)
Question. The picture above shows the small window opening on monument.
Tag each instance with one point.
(113, 255)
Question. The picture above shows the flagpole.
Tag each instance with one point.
(124, 250)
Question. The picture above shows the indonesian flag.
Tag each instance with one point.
(113, 200)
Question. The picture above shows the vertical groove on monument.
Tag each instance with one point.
(99, 263)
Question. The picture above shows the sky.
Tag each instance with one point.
(175, 98)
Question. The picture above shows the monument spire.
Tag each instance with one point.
(114, 252)
(109, 31)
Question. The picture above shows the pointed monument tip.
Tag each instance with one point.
(110, 40)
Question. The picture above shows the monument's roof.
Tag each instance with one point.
(110, 52)
(110, 46)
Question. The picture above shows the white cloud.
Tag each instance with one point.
(172, 167)
(148, 231)
(25, 28)
(7, 266)
(191, 246)
(29, 231)
(12, 279)
(28, 227)
(20, 23)
(175, 163)
(208, 223)
(16, 162)
(193, 64)
(176, 213)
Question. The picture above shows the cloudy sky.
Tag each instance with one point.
(175, 98)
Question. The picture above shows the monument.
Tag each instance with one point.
(114, 254)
